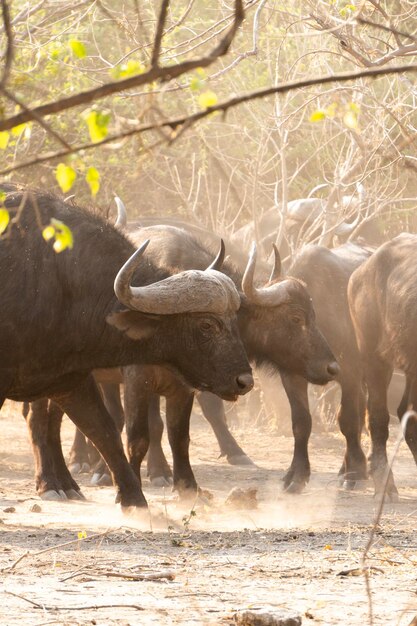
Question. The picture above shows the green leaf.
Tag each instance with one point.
(97, 123)
(4, 219)
(62, 234)
(354, 107)
(18, 130)
(78, 48)
(207, 99)
(2, 196)
(65, 176)
(196, 83)
(93, 179)
(4, 139)
(317, 116)
(48, 232)
(124, 70)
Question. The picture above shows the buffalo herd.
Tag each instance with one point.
(153, 307)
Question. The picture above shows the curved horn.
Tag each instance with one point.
(276, 270)
(267, 296)
(192, 291)
(219, 260)
(122, 287)
(345, 228)
(121, 221)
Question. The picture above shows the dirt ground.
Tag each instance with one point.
(87, 563)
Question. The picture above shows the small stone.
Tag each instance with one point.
(242, 499)
(9, 509)
(267, 617)
(35, 508)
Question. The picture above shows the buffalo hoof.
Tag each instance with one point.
(53, 496)
(348, 485)
(131, 505)
(160, 481)
(74, 468)
(295, 487)
(79, 468)
(102, 480)
(240, 459)
(72, 494)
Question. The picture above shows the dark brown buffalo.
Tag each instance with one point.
(63, 315)
(277, 325)
(383, 303)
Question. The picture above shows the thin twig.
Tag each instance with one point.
(46, 607)
(365, 568)
(57, 546)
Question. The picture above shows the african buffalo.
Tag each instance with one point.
(277, 326)
(78, 311)
(326, 275)
(383, 302)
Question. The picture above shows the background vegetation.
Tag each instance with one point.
(234, 165)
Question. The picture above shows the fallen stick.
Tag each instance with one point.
(45, 607)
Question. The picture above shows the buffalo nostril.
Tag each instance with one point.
(245, 381)
(333, 368)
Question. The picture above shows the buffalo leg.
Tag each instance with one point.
(405, 400)
(409, 401)
(179, 406)
(351, 418)
(378, 375)
(79, 457)
(158, 469)
(111, 397)
(86, 409)
(46, 482)
(137, 429)
(65, 480)
(213, 410)
(298, 473)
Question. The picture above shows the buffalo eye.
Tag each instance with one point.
(297, 319)
(208, 327)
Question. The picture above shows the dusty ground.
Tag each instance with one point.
(288, 553)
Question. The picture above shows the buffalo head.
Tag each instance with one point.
(278, 325)
(190, 317)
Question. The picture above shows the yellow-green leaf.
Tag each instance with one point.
(331, 110)
(4, 219)
(196, 83)
(18, 130)
(354, 107)
(48, 232)
(63, 236)
(78, 48)
(4, 139)
(350, 120)
(207, 99)
(97, 123)
(93, 180)
(317, 116)
(131, 68)
(65, 176)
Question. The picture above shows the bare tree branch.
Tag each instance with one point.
(180, 124)
(153, 74)
(9, 46)
(159, 32)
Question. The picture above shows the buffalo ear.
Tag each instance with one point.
(134, 324)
